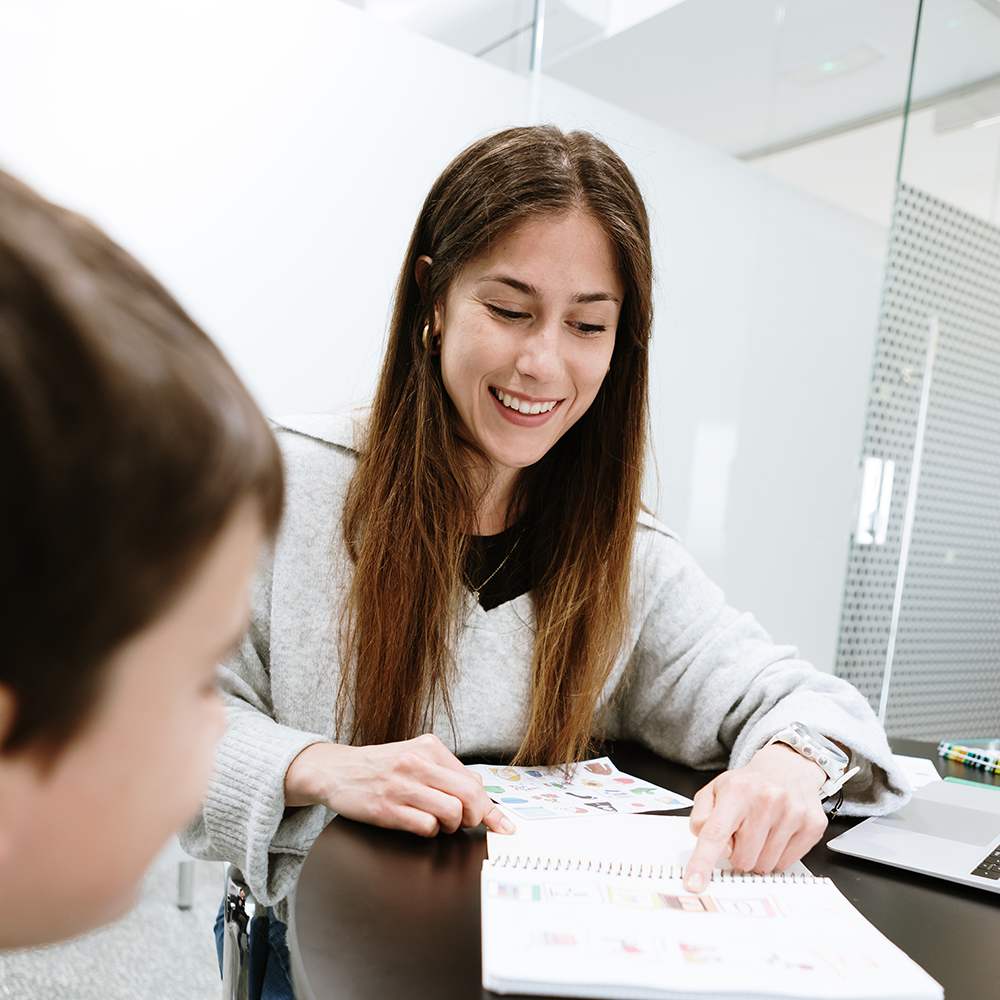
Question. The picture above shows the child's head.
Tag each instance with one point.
(136, 482)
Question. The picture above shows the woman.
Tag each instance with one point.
(466, 568)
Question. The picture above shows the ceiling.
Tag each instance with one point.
(745, 76)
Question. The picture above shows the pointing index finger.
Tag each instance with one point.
(714, 842)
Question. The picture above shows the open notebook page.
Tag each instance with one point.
(628, 840)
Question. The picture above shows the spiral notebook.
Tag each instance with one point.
(611, 919)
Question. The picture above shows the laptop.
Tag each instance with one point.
(947, 829)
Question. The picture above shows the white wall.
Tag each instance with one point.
(267, 159)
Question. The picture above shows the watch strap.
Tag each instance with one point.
(802, 740)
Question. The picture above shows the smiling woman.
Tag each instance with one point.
(530, 264)
(466, 568)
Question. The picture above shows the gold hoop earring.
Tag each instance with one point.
(431, 343)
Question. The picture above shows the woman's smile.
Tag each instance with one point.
(522, 406)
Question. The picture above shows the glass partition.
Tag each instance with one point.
(812, 93)
(920, 633)
(760, 412)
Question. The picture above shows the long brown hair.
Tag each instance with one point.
(411, 499)
(128, 442)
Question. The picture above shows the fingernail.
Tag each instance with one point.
(695, 882)
(507, 826)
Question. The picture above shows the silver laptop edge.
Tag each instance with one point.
(948, 830)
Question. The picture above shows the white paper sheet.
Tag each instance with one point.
(918, 770)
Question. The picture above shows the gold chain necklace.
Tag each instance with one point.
(476, 591)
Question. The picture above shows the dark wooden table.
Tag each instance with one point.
(380, 915)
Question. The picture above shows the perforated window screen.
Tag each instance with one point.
(945, 678)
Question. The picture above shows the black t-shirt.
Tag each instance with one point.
(498, 581)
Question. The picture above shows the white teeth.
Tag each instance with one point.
(523, 406)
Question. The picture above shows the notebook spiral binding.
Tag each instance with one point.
(651, 870)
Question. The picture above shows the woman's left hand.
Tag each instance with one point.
(764, 816)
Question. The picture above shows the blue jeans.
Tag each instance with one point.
(270, 968)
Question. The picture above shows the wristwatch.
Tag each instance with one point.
(805, 740)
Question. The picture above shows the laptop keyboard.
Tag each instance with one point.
(989, 867)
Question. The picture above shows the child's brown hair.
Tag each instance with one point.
(126, 442)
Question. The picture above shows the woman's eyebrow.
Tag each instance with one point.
(505, 279)
(526, 289)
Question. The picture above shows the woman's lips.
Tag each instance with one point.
(512, 408)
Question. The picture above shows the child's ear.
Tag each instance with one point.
(7, 707)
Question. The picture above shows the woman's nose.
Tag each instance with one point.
(540, 357)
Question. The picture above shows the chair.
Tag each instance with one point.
(236, 937)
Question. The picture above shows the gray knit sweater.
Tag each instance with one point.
(706, 686)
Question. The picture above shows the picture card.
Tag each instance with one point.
(591, 787)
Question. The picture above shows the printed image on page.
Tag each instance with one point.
(589, 788)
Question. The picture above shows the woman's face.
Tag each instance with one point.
(527, 334)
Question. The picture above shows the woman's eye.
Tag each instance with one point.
(590, 327)
(506, 313)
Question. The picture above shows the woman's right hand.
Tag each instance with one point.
(416, 785)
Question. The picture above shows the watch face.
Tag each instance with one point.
(820, 740)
